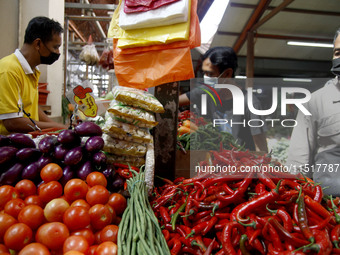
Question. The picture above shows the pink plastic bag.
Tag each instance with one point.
(131, 7)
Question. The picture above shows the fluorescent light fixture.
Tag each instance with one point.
(240, 77)
(297, 80)
(212, 19)
(310, 44)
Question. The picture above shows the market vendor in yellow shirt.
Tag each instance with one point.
(19, 77)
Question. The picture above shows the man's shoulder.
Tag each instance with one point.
(9, 62)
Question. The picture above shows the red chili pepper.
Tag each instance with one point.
(201, 192)
(200, 215)
(124, 172)
(202, 220)
(221, 215)
(188, 250)
(198, 228)
(119, 165)
(164, 214)
(285, 217)
(198, 241)
(335, 234)
(247, 207)
(260, 189)
(302, 219)
(266, 180)
(335, 251)
(270, 233)
(166, 234)
(227, 237)
(220, 225)
(175, 245)
(210, 225)
(318, 194)
(316, 207)
(291, 184)
(212, 246)
(285, 235)
(322, 245)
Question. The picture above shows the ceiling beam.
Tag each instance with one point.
(282, 37)
(255, 17)
(271, 14)
(109, 7)
(295, 10)
(78, 33)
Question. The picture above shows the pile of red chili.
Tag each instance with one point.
(259, 213)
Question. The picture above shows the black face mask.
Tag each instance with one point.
(336, 66)
(50, 59)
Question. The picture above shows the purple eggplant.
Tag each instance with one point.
(94, 144)
(4, 141)
(85, 170)
(25, 155)
(31, 171)
(7, 153)
(12, 175)
(117, 183)
(60, 151)
(69, 138)
(19, 141)
(74, 156)
(108, 172)
(43, 161)
(47, 144)
(88, 128)
(99, 158)
(68, 174)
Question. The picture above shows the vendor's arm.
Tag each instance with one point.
(260, 142)
(183, 100)
(22, 125)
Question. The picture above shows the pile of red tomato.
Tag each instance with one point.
(80, 218)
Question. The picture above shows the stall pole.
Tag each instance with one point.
(165, 133)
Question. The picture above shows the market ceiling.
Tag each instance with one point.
(273, 23)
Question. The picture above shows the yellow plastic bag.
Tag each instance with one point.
(148, 36)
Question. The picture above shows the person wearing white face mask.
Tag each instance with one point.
(19, 77)
(315, 142)
(220, 64)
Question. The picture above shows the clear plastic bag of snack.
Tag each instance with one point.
(133, 161)
(132, 115)
(137, 98)
(124, 131)
(120, 147)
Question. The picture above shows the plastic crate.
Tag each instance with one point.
(43, 93)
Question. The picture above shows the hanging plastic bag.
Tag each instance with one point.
(106, 59)
(89, 53)
(166, 15)
(145, 67)
(148, 36)
(132, 6)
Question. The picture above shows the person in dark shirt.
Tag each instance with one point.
(221, 63)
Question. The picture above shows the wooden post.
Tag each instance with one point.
(165, 133)
(250, 58)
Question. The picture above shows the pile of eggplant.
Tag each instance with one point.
(78, 151)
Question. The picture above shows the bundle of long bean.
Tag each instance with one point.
(139, 230)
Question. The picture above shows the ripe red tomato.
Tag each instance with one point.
(34, 200)
(109, 233)
(81, 202)
(92, 249)
(14, 206)
(96, 178)
(7, 193)
(18, 236)
(97, 195)
(76, 243)
(6, 221)
(51, 172)
(75, 189)
(52, 235)
(118, 203)
(74, 253)
(26, 188)
(3, 249)
(32, 216)
(49, 191)
(107, 248)
(76, 217)
(87, 233)
(35, 248)
(55, 209)
(100, 216)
